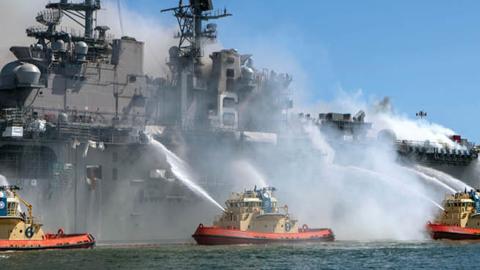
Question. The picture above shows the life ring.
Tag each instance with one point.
(304, 227)
(60, 232)
(29, 232)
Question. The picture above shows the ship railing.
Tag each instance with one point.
(12, 116)
(432, 147)
(106, 134)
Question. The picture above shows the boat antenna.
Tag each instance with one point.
(120, 18)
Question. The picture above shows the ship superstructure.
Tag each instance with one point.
(256, 210)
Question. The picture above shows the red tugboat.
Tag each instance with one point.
(253, 217)
(21, 232)
(460, 219)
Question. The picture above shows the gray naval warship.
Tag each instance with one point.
(77, 111)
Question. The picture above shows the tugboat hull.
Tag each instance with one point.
(50, 241)
(220, 236)
(439, 231)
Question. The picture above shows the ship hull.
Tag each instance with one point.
(220, 236)
(71, 241)
(439, 231)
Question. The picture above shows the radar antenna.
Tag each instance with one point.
(190, 18)
(49, 18)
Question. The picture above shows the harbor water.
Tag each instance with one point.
(333, 255)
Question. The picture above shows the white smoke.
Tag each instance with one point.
(368, 195)
(3, 181)
(419, 130)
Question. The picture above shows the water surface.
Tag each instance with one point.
(337, 255)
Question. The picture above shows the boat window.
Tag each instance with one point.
(228, 102)
(230, 73)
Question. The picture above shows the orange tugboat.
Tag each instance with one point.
(21, 232)
(460, 219)
(253, 217)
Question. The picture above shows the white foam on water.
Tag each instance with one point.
(182, 172)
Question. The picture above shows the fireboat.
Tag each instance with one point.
(19, 231)
(460, 219)
(254, 217)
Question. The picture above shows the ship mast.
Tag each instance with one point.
(74, 12)
(190, 18)
(185, 60)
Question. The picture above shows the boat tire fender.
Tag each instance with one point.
(305, 227)
(60, 232)
(29, 232)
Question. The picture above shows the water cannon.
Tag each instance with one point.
(269, 188)
(476, 199)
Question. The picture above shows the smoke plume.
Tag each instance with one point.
(359, 189)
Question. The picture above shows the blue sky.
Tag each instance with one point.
(424, 55)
